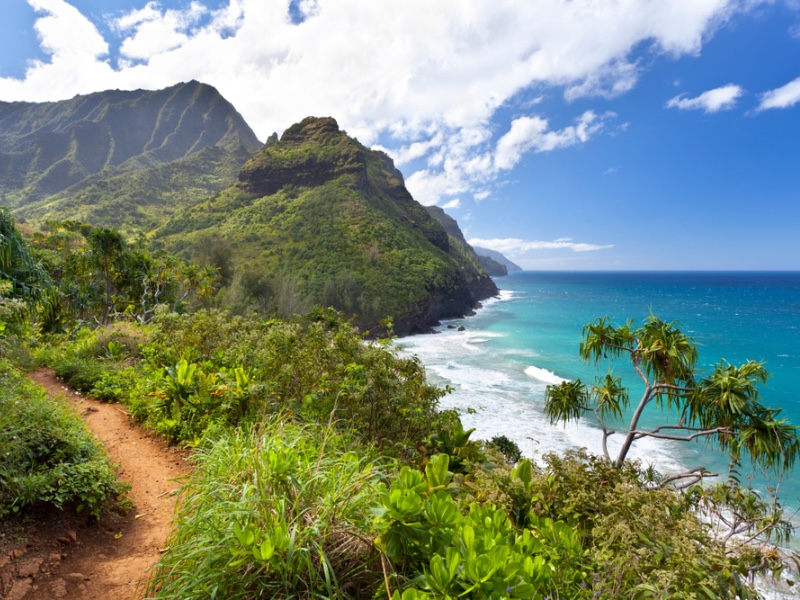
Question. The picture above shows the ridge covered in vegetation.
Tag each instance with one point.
(325, 467)
(120, 158)
(313, 219)
(317, 219)
(457, 240)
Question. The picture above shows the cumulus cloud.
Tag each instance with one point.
(782, 97)
(513, 247)
(470, 159)
(721, 98)
(149, 31)
(454, 203)
(76, 51)
(528, 133)
(65, 34)
(425, 79)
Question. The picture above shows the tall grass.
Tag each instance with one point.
(281, 511)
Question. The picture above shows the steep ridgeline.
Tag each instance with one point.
(119, 158)
(497, 257)
(319, 219)
(457, 240)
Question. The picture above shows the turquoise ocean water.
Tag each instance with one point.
(515, 345)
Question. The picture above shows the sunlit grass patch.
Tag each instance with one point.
(278, 511)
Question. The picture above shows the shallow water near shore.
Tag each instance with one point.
(517, 344)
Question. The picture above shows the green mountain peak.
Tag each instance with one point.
(70, 156)
(317, 218)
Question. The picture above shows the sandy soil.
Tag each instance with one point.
(70, 557)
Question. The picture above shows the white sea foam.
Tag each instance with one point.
(506, 295)
(498, 396)
(544, 375)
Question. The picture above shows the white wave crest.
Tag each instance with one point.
(544, 375)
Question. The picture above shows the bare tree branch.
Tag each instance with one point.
(638, 434)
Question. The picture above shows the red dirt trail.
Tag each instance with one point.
(67, 557)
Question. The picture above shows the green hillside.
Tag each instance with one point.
(460, 245)
(317, 218)
(119, 158)
(141, 200)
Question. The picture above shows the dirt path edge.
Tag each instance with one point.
(110, 559)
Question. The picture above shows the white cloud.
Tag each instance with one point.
(454, 203)
(468, 160)
(65, 34)
(426, 79)
(153, 32)
(513, 247)
(721, 98)
(528, 133)
(782, 97)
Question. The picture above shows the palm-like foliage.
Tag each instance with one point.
(28, 278)
(725, 406)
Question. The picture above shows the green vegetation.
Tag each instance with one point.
(123, 159)
(324, 467)
(136, 201)
(282, 512)
(317, 219)
(48, 455)
(207, 371)
(291, 498)
(724, 406)
(97, 275)
(27, 279)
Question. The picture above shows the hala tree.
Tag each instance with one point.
(100, 276)
(28, 279)
(724, 406)
(107, 246)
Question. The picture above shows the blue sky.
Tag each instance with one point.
(610, 134)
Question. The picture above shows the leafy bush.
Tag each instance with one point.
(640, 542)
(83, 374)
(190, 401)
(318, 367)
(477, 555)
(48, 455)
(282, 512)
(125, 338)
(507, 447)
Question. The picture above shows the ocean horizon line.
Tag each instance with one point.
(665, 271)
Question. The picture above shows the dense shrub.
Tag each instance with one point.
(81, 373)
(277, 505)
(319, 368)
(439, 545)
(48, 456)
(638, 540)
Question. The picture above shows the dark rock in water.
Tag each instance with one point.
(462, 328)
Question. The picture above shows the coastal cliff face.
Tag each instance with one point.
(496, 257)
(480, 271)
(317, 218)
(492, 267)
(311, 219)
